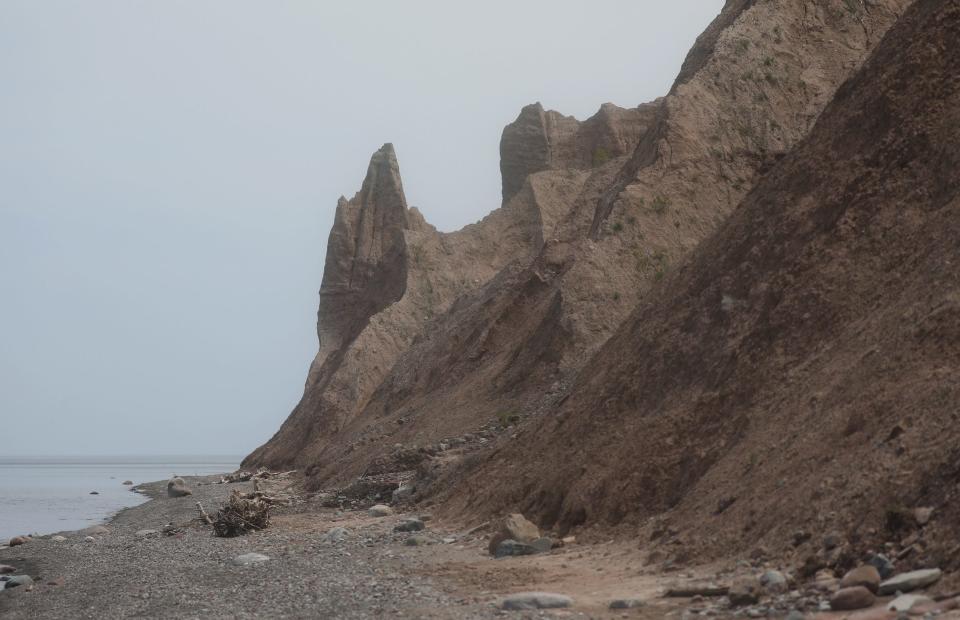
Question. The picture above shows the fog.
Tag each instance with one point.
(169, 172)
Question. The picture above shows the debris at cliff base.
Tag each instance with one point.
(241, 514)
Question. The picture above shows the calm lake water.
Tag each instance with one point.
(50, 494)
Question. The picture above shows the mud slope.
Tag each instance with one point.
(802, 369)
(492, 323)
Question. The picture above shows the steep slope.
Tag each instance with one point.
(802, 369)
(610, 221)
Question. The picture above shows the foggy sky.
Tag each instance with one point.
(169, 171)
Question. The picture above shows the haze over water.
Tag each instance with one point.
(46, 494)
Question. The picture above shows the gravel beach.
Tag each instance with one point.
(192, 574)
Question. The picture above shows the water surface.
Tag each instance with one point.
(44, 494)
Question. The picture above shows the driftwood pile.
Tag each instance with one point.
(241, 514)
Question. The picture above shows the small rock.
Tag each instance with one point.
(128, 482)
(380, 510)
(536, 600)
(409, 525)
(449, 540)
(176, 487)
(905, 582)
(89, 539)
(513, 527)
(922, 515)
(418, 540)
(867, 576)
(58, 538)
(568, 540)
(337, 534)
(146, 533)
(19, 540)
(906, 601)
(856, 597)
(508, 548)
(425, 516)
(19, 580)
(95, 530)
(743, 592)
(795, 614)
(832, 540)
(94, 492)
(883, 565)
(402, 494)
(626, 603)
(6, 569)
(250, 558)
(542, 544)
(774, 581)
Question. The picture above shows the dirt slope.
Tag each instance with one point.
(802, 369)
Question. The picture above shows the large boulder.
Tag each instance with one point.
(513, 527)
(178, 488)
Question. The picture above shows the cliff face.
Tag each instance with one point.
(496, 320)
(800, 369)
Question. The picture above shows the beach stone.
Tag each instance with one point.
(402, 494)
(542, 544)
(337, 534)
(774, 581)
(409, 525)
(128, 482)
(744, 592)
(94, 492)
(905, 602)
(867, 576)
(846, 599)
(922, 515)
(146, 533)
(883, 565)
(513, 527)
(380, 510)
(418, 540)
(176, 487)
(58, 538)
(19, 540)
(905, 582)
(449, 540)
(89, 539)
(626, 603)
(536, 600)
(19, 580)
(6, 569)
(508, 548)
(250, 558)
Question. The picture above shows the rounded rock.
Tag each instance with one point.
(536, 600)
(847, 599)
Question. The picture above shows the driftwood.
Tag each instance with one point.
(241, 514)
(203, 514)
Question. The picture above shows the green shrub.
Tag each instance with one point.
(660, 205)
(600, 156)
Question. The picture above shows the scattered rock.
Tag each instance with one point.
(128, 482)
(744, 592)
(508, 548)
(905, 582)
(250, 558)
(19, 540)
(568, 540)
(905, 602)
(774, 581)
(380, 510)
(337, 534)
(542, 544)
(449, 540)
(409, 525)
(6, 569)
(513, 527)
(856, 597)
(94, 492)
(89, 539)
(832, 540)
(418, 540)
(922, 515)
(867, 576)
(536, 600)
(402, 494)
(176, 487)
(19, 580)
(883, 565)
(146, 533)
(626, 603)
(95, 530)
(58, 538)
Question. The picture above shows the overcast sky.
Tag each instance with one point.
(169, 171)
